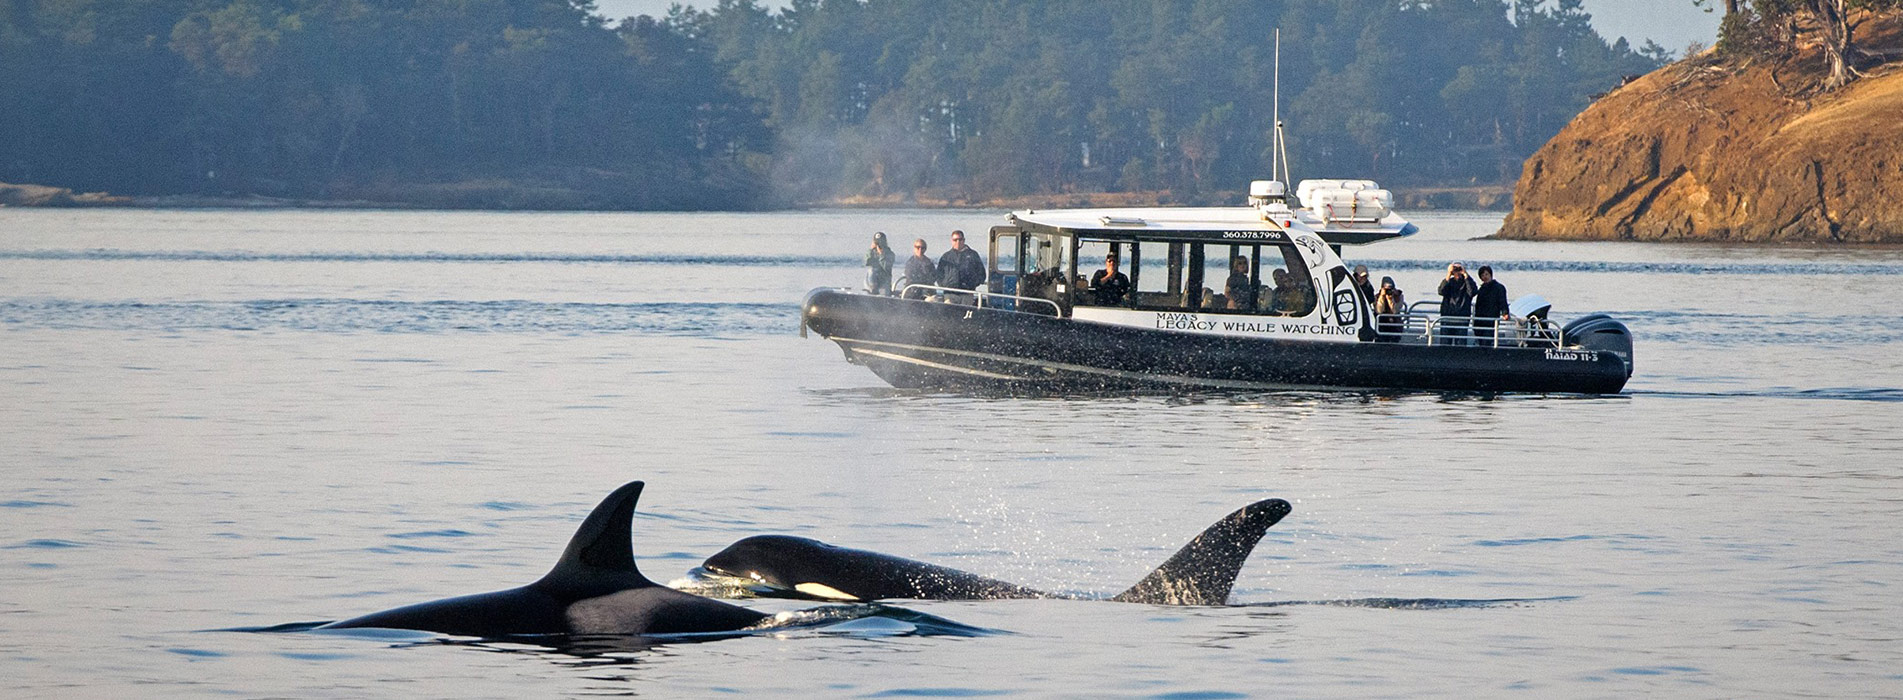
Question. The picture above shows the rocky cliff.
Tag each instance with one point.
(1725, 150)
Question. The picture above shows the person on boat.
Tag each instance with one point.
(879, 266)
(1361, 282)
(1391, 303)
(1456, 303)
(1110, 285)
(961, 268)
(919, 270)
(1240, 292)
(1490, 304)
(1290, 297)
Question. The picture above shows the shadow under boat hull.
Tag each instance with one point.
(940, 346)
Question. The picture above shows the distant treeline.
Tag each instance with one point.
(545, 103)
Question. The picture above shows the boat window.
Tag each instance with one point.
(1234, 267)
(1045, 262)
(1092, 259)
(1216, 267)
(1046, 253)
(1005, 243)
(1287, 290)
(1159, 275)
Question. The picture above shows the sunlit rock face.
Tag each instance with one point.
(1708, 149)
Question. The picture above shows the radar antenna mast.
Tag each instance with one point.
(1278, 157)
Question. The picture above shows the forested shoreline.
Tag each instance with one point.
(547, 104)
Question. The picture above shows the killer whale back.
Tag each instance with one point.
(594, 588)
(1203, 571)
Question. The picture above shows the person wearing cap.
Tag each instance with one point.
(879, 266)
(1456, 303)
(1361, 282)
(1110, 285)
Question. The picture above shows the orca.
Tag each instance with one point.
(1201, 573)
(594, 589)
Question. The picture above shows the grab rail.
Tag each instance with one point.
(1435, 329)
(982, 295)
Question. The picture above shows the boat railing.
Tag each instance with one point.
(1426, 327)
(982, 296)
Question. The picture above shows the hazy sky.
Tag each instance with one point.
(1671, 23)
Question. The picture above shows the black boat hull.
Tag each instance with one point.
(931, 345)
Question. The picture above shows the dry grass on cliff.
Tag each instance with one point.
(1712, 148)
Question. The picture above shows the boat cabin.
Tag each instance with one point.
(1224, 270)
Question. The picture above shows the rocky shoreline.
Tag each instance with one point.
(1717, 149)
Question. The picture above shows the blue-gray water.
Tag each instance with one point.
(227, 419)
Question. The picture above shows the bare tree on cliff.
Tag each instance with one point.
(1773, 24)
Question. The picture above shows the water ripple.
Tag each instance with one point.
(361, 315)
(106, 254)
(1807, 269)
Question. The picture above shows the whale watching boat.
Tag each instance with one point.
(1247, 297)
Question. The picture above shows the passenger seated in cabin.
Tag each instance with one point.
(1238, 289)
(1390, 310)
(1291, 297)
(1109, 286)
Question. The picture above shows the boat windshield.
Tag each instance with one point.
(1244, 278)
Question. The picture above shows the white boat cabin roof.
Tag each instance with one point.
(1137, 220)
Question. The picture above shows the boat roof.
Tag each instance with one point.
(1219, 223)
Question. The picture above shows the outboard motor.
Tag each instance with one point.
(1603, 333)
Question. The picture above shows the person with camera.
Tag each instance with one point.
(1456, 304)
(879, 266)
(1390, 312)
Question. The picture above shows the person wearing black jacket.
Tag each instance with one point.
(1456, 302)
(960, 268)
(1109, 284)
(919, 270)
(1490, 303)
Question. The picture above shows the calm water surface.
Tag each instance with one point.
(228, 419)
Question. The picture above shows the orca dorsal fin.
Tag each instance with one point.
(602, 544)
(1202, 571)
